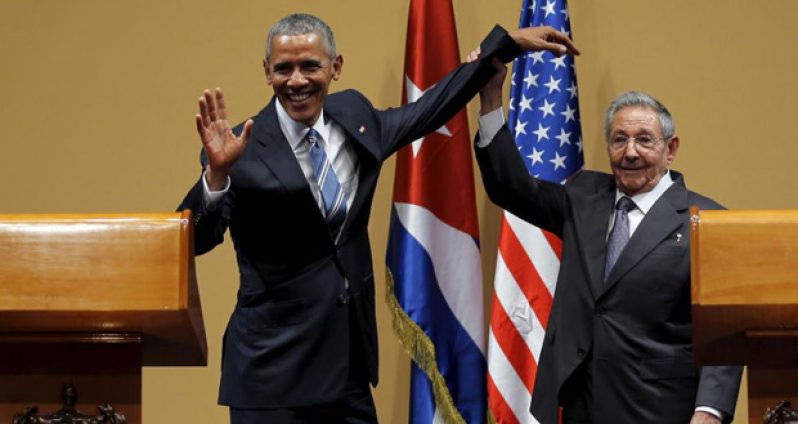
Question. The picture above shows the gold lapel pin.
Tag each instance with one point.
(362, 129)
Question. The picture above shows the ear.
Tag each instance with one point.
(337, 65)
(673, 148)
(267, 71)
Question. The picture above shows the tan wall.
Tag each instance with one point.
(99, 97)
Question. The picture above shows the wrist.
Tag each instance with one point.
(216, 179)
(489, 102)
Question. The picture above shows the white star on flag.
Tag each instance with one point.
(547, 108)
(559, 61)
(413, 94)
(572, 89)
(536, 156)
(541, 132)
(531, 79)
(558, 161)
(548, 8)
(563, 137)
(524, 103)
(568, 113)
(553, 84)
(520, 128)
(537, 56)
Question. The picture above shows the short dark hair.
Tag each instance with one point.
(302, 23)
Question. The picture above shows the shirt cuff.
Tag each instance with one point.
(211, 199)
(710, 410)
(489, 125)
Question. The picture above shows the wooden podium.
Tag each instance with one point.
(745, 299)
(89, 300)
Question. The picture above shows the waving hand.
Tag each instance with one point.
(222, 147)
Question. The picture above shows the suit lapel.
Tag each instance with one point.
(273, 149)
(591, 216)
(661, 220)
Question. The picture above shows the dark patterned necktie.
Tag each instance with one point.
(332, 199)
(619, 234)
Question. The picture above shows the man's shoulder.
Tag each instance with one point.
(348, 97)
(693, 198)
(703, 202)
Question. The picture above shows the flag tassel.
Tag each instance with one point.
(418, 345)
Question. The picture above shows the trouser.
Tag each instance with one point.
(354, 405)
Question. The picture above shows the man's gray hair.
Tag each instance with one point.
(636, 98)
(302, 23)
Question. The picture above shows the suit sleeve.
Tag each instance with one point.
(440, 103)
(509, 185)
(209, 225)
(718, 388)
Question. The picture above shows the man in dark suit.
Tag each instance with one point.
(618, 346)
(294, 185)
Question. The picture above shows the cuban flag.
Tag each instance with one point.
(433, 259)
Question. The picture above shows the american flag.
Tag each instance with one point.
(433, 248)
(544, 118)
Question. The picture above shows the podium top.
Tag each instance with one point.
(745, 257)
(104, 273)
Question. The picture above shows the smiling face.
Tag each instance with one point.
(300, 70)
(638, 169)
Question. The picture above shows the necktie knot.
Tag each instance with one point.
(625, 204)
(313, 136)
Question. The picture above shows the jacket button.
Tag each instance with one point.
(600, 312)
(580, 352)
(343, 299)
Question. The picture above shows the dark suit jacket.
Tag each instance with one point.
(637, 325)
(287, 342)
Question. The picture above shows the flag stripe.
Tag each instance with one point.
(519, 312)
(513, 345)
(427, 305)
(500, 410)
(537, 250)
(457, 259)
(508, 383)
(524, 274)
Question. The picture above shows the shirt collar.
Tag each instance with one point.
(295, 131)
(644, 201)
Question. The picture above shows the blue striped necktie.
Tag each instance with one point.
(619, 234)
(332, 199)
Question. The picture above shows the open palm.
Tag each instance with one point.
(222, 147)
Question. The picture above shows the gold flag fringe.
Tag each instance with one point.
(418, 345)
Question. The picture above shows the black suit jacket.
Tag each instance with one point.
(636, 326)
(287, 342)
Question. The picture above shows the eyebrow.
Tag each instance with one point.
(304, 63)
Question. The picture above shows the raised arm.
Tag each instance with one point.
(504, 174)
(439, 103)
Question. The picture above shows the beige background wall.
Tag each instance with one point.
(98, 98)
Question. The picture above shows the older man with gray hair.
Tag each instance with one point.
(618, 345)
